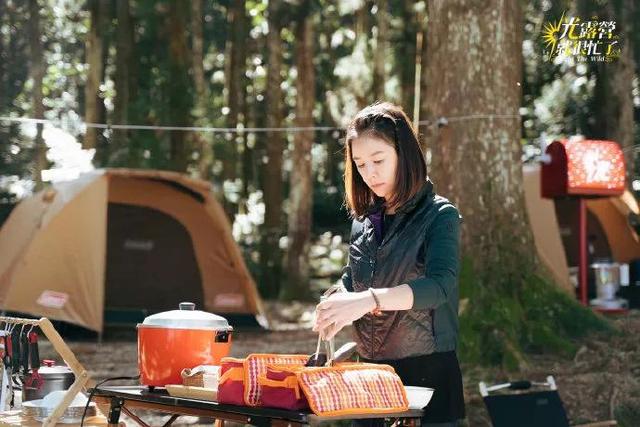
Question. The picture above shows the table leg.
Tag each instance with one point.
(134, 417)
(171, 420)
(113, 420)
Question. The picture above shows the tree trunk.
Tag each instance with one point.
(405, 54)
(335, 153)
(247, 151)
(362, 21)
(180, 105)
(334, 164)
(379, 54)
(249, 91)
(362, 29)
(197, 41)
(37, 75)
(235, 95)
(477, 161)
(614, 86)
(270, 254)
(124, 57)
(423, 128)
(300, 197)
(102, 147)
(202, 140)
(4, 78)
(94, 46)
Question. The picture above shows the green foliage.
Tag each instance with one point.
(538, 317)
(555, 96)
(256, 11)
(627, 415)
(7, 203)
(16, 153)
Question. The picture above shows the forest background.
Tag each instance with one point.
(266, 88)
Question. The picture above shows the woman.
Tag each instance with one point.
(403, 262)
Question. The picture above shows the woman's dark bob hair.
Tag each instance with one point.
(389, 123)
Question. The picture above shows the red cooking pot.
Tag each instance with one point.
(173, 340)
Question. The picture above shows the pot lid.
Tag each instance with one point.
(604, 265)
(50, 368)
(187, 317)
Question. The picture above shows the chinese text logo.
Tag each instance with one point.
(592, 40)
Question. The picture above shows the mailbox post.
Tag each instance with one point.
(583, 169)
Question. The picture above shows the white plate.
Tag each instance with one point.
(418, 397)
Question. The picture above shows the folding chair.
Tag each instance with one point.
(542, 408)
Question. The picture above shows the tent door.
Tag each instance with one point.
(151, 264)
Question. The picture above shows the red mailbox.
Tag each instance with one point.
(583, 168)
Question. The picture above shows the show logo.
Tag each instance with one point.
(572, 37)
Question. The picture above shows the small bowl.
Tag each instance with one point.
(418, 397)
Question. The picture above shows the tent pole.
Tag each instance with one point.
(582, 265)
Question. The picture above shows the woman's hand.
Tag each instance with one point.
(339, 310)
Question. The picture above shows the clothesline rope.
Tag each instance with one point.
(168, 128)
(440, 121)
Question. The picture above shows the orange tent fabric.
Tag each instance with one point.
(545, 228)
(611, 214)
(156, 237)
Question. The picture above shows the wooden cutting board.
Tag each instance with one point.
(191, 392)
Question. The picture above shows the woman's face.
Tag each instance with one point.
(376, 162)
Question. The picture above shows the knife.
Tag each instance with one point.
(343, 353)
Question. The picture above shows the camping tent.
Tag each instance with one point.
(545, 228)
(125, 240)
(555, 228)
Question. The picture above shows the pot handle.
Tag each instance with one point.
(187, 306)
(222, 336)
